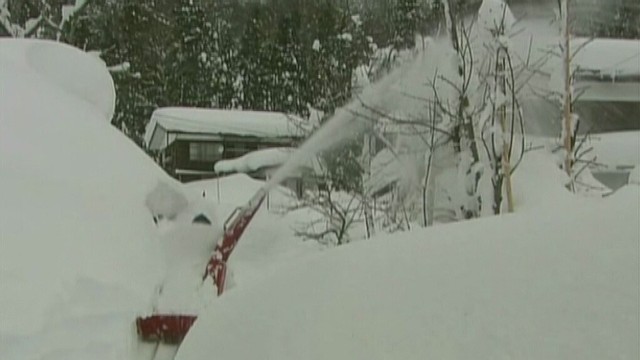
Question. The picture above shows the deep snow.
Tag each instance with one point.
(560, 279)
(78, 257)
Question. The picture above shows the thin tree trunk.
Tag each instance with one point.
(506, 156)
(568, 118)
(368, 216)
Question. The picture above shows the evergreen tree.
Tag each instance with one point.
(621, 20)
(405, 23)
(193, 57)
(255, 62)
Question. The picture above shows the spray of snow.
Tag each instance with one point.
(387, 95)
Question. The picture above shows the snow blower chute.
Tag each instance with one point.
(172, 328)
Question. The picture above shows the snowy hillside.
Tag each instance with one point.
(557, 280)
(78, 259)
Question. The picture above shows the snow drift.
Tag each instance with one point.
(78, 259)
(557, 281)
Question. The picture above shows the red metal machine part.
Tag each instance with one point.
(172, 328)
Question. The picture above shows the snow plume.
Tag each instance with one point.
(352, 119)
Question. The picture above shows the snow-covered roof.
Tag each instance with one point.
(609, 59)
(260, 124)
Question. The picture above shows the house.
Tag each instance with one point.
(607, 83)
(188, 142)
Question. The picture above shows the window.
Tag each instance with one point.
(201, 151)
(234, 150)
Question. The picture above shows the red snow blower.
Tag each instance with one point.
(172, 328)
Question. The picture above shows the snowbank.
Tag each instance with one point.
(558, 281)
(84, 77)
(78, 259)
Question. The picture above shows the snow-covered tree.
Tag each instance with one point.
(569, 121)
(502, 114)
(462, 109)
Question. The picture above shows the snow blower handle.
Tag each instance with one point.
(234, 227)
(172, 328)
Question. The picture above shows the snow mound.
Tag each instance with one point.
(553, 282)
(164, 201)
(79, 260)
(267, 242)
(68, 68)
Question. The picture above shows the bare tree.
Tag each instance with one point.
(334, 212)
(502, 114)
(569, 123)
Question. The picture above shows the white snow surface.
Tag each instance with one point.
(634, 176)
(268, 242)
(608, 56)
(615, 149)
(559, 279)
(221, 122)
(78, 260)
(255, 160)
(84, 77)
(495, 14)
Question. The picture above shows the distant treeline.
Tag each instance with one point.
(281, 55)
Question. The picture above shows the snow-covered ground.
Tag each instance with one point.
(81, 257)
(78, 258)
(557, 280)
(267, 243)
